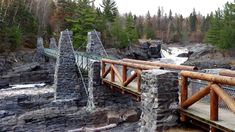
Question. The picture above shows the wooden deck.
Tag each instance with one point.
(201, 112)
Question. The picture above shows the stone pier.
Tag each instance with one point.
(94, 45)
(39, 55)
(53, 44)
(159, 100)
(66, 75)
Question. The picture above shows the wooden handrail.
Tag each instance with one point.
(229, 73)
(209, 77)
(230, 102)
(213, 89)
(162, 65)
(124, 80)
(131, 65)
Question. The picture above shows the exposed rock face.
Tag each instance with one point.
(5, 65)
(39, 55)
(159, 100)
(33, 109)
(28, 73)
(206, 64)
(155, 51)
(94, 45)
(207, 56)
(144, 51)
(66, 77)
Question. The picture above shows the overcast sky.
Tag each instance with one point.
(184, 7)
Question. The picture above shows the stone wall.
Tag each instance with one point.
(28, 73)
(66, 77)
(94, 44)
(159, 100)
(101, 95)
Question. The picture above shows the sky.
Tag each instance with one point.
(184, 7)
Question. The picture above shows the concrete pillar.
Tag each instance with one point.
(66, 77)
(39, 55)
(53, 44)
(159, 100)
(94, 45)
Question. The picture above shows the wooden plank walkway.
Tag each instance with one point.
(201, 112)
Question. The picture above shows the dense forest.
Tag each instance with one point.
(21, 21)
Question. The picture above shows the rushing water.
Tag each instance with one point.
(170, 55)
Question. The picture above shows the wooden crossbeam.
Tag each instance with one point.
(196, 97)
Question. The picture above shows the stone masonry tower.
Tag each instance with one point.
(94, 44)
(66, 77)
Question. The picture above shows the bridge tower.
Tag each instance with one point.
(94, 44)
(66, 77)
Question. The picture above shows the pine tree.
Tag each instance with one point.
(109, 10)
(227, 37)
(131, 29)
(150, 34)
(193, 20)
(119, 34)
(213, 34)
(84, 21)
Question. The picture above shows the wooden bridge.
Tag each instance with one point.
(125, 76)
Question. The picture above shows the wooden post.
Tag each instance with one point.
(138, 82)
(213, 108)
(112, 74)
(229, 101)
(103, 65)
(184, 94)
(124, 75)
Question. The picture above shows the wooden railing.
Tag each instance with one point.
(229, 73)
(122, 76)
(163, 65)
(213, 89)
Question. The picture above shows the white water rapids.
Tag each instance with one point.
(27, 85)
(170, 56)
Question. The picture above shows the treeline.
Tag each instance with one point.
(22, 20)
(120, 30)
(222, 28)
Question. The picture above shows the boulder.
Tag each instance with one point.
(207, 64)
(130, 116)
(155, 51)
(113, 117)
